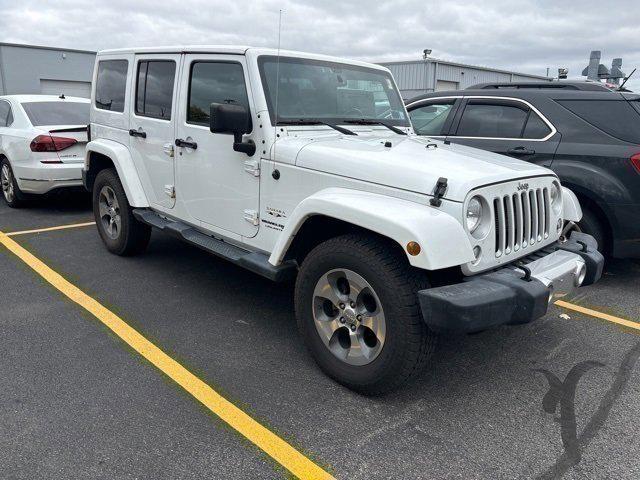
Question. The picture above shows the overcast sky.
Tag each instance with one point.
(526, 36)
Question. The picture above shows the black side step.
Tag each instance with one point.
(255, 261)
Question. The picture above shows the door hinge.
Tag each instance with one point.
(251, 216)
(170, 190)
(252, 167)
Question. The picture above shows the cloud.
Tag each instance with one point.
(524, 36)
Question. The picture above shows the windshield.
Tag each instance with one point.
(57, 113)
(332, 92)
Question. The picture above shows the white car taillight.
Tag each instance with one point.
(49, 143)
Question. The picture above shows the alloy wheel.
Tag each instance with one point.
(109, 210)
(348, 316)
(6, 177)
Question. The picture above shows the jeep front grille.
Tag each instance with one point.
(521, 220)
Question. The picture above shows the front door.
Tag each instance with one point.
(433, 117)
(215, 183)
(506, 126)
(152, 127)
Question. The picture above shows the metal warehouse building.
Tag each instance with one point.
(33, 69)
(415, 77)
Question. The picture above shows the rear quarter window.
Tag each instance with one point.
(617, 118)
(111, 85)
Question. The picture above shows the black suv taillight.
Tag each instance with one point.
(635, 161)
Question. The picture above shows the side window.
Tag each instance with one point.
(5, 111)
(214, 82)
(483, 118)
(535, 129)
(430, 119)
(154, 88)
(111, 84)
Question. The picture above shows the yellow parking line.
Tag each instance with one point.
(50, 229)
(602, 316)
(274, 446)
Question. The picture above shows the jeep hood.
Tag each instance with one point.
(408, 163)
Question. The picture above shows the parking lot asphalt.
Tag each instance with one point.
(553, 399)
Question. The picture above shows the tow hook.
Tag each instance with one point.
(585, 247)
(526, 270)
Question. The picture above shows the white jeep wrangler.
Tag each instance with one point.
(303, 166)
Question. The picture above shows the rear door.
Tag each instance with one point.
(507, 126)
(152, 127)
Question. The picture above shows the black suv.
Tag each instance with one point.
(590, 139)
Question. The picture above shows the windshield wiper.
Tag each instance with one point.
(364, 121)
(302, 121)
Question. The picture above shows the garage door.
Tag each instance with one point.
(442, 85)
(69, 88)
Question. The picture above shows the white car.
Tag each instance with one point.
(42, 143)
(298, 165)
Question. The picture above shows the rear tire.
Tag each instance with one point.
(10, 191)
(121, 233)
(381, 285)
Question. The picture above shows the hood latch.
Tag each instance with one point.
(438, 192)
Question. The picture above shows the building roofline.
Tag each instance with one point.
(463, 65)
(41, 47)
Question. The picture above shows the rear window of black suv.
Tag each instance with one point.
(614, 117)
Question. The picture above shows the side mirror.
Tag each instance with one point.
(233, 120)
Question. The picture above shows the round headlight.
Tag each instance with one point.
(474, 214)
(556, 197)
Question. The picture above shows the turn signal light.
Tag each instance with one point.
(413, 248)
(635, 161)
(49, 143)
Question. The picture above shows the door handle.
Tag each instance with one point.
(137, 133)
(521, 151)
(183, 143)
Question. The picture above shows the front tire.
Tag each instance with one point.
(592, 225)
(121, 233)
(358, 313)
(10, 191)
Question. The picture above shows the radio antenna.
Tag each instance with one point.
(275, 121)
(626, 79)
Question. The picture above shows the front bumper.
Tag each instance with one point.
(514, 294)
